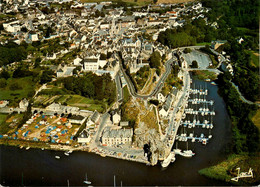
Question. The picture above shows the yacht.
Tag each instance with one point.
(57, 157)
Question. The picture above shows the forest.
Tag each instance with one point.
(245, 133)
(92, 86)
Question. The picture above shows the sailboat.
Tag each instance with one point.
(86, 181)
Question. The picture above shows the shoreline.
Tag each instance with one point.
(227, 169)
(59, 147)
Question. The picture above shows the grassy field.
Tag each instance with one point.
(256, 119)
(203, 43)
(82, 102)
(202, 75)
(254, 58)
(2, 118)
(227, 169)
(71, 100)
(14, 96)
(6, 120)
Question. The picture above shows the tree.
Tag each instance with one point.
(4, 74)
(187, 50)
(37, 62)
(194, 64)
(2, 83)
(155, 102)
(155, 60)
(46, 76)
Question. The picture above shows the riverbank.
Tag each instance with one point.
(58, 147)
(228, 169)
(39, 145)
(204, 75)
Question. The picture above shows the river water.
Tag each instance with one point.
(35, 167)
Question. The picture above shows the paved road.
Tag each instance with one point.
(243, 98)
(119, 88)
(157, 88)
(96, 139)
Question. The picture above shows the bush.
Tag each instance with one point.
(4, 74)
(187, 50)
(194, 64)
(155, 102)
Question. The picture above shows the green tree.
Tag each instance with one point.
(46, 76)
(2, 83)
(4, 74)
(194, 64)
(155, 60)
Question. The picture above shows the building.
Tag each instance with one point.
(112, 137)
(33, 37)
(124, 123)
(24, 104)
(93, 119)
(64, 71)
(3, 103)
(163, 112)
(77, 119)
(216, 43)
(84, 137)
(116, 118)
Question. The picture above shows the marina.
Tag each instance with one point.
(197, 121)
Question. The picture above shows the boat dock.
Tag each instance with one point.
(197, 123)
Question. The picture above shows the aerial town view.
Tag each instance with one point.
(129, 93)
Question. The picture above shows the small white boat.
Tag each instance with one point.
(213, 83)
(42, 148)
(188, 153)
(177, 151)
(57, 157)
(86, 180)
(204, 141)
(67, 153)
(27, 148)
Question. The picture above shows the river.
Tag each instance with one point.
(35, 167)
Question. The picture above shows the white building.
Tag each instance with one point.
(24, 104)
(117, 136)
(116, 118)
(33, 37)
(77, 119)
(65, 71)
(3, 103)
(84, 137)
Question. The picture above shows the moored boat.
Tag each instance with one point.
(168, 160)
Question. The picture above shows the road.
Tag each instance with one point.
(157, 88)
(242, 97)
(119, 88)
